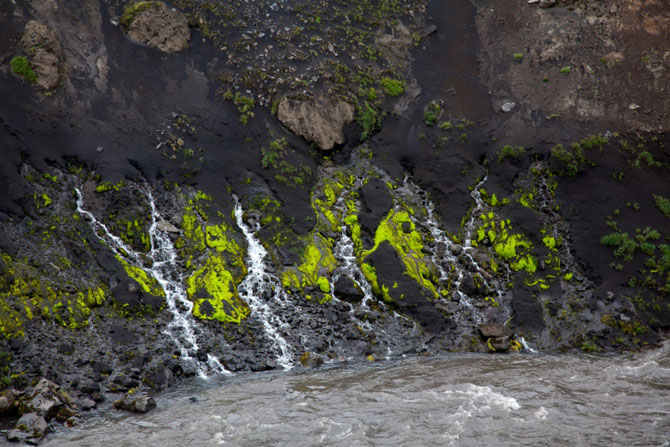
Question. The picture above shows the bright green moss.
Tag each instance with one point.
(214, 285)
(550, 242)
(27, 294)
(21, 67)
(148, 284)
(324, 284)
(408, 244)
(108, 186)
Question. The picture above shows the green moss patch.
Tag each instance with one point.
(21, 67)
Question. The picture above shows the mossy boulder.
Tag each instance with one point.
(154, 24)
(42, 66)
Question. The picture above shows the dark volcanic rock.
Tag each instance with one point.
(376, 202)
(407, 295)
(347, 290)
(528, 314)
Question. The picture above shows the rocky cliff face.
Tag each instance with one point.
(168, 209)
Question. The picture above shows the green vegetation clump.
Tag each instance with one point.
(518, 56)
(369, 119)
(565, 70)
(21, 67)
(432, 113)
(593, 141)
(273, 153)
(571, 159)
(663, 204)
(392, 87)
(512, 152)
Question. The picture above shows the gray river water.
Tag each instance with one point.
(464, 400)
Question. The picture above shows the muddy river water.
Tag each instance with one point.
(464, 400)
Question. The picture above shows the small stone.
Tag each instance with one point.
(530, 2)
(508, 106)
(99, 149)
(164, 225)
(87, 404)
(547, 3)
(633, 106)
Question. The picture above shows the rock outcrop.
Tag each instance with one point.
(45, 55)
(320, 120)
(156, 25)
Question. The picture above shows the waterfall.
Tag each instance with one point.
(260, 283)
(164, 269)
(526, 346)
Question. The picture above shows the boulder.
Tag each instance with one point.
(154, 24)
(31, 427)
(142, 404)
(7, 402)
(498, 344)
(46, 400)
(320, 120)
(45, 54)
(347, 290)
(494, 330)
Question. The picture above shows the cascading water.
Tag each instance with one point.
(259, 283)
(164, 269)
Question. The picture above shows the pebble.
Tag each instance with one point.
(508, 106)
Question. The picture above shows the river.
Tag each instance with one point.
(461, 399)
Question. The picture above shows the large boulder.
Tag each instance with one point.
(320, 120)
(154, 24)
(45, 54)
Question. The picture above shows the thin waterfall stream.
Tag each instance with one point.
(260, 283)
(165, 270)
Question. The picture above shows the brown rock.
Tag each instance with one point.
(45, 53)
(154, 24)
(494, 330)
(320, 120)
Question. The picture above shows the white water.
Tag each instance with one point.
(164, 269)
(259, 282)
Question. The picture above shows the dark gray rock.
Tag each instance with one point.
(142, 404)
(347, 290)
